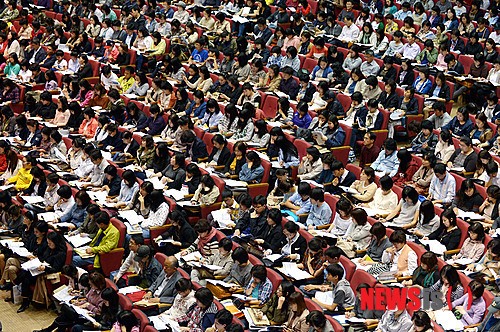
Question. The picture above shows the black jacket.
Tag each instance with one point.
(223, 157)
(115, 141)
(450, 240)
(273, 239)
(388, 101)
(85, 71)
(198, 150)
(134, 146)
(45, 111)
(443, 93)
(407, 80)
(348, 180)
(185, 235)
(389, 75)
(298, 247)
(310, 90)
(49, 61)
(114, 185)
(39, 57)
(41, 189)
(256, 226)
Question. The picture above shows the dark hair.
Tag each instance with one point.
(360, 216)
(378, 230)
(477, 228)
(422, 319)
(386, 183)
(128, 319)
(183, 285)
(398, 236)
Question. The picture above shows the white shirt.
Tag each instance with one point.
(349, 33)
(410, 51)
(412, 261)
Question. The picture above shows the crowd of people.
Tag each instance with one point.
(250, 136)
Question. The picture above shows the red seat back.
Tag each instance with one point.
(143, 319)
(274, 277)
(349, 267)
(122, 229)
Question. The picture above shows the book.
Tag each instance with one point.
(62, 294)
(291, 270)
(82, 252)
(435, 246)
(33, 199)
(47, 216)
(324, 297)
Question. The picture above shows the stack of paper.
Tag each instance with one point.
(78, 240)
(222, 217)
(435, 246)
(448, 321)
(82, 252)
(236, 184)
(291, 270)
(164, 323)
(62, 294)
(194, 256)
(174, 193)
(32, 265)
(222, 283)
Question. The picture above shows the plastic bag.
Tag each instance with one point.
(16, 294)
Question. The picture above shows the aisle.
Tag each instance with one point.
(31, 319)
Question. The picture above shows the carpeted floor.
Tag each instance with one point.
(31, 319)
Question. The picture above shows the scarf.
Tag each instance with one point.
(203, 241)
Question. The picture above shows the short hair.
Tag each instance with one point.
(440, 168)
(259, 272)
(360, 216)
(398, 236)
(205, 296)
(64, 192)
(333, 252)
(224, 317)
(202, 226)
(378, 230)
(102, 217)
(386, 183)
(291, 227)
(240, 255)
(226, 243)
(335, 270)
(318, 194)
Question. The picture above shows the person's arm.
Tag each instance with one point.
(108, 243)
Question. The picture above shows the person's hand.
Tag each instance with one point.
(281, 300)
(88, 250)
(293, 257)
(335, 181)
(309, 287)
(184, 253)
(147, 296)
(158, 239)
(470, 267)
(154, 300)
(259, 241)
(177, 243)
(41, 268)
(349, 314)
(398, 274)
(237, 232)
(461, 309)
(300, 266)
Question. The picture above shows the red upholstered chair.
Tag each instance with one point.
(150, 328)
(111, 284)
(349, 267)
(356, 170)
(270, 106)
(160, 257)
(306, 235)
(199, 132)
(337, 327)
(125, 302)
(258, 189)
(310, 305)
(274, 277)
(419, 250)
(122, 229)
(184, 274)
(254, 260)
(360, 277)
(309, 64)
(143, 319)
(301, 146)
(207, 139)
(348, 132)
(111, 261)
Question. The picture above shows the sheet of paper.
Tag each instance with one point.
(222, 283)
(62, 294)
(188, 204)
(349, 190)
(33, 199)
(129, 289)
(131, 216)
(448, 321)
(133, 228)
(47, 216)
(189, 257)
(174, 193)
(469, 215)
(324, 297)
(78, 240)
(313, 183)
(236, 184)
(163, 322)
(222, 217)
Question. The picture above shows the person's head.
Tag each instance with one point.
(476, 232)
(476, 288)
(97, 281)
(421, 321)
(290, 230)
(101, 219)
(334, 273)
(297, 303)
(170, 265)
(440, 171)
(449, 218)
(410, 195)
(259, 273)
(317, 196)
(386, 184)
(398, 239)
(359, 216)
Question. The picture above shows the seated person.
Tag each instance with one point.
(183, 300)
(254, 222)
(129, 265)
(391, 321)
(276, 309)
(448, 232)
(464, 157)
(206, 243)
(467, 199)
(475, 313)
(163, 289)
(200, 316)
(358, 234)
(260, 287)
(427, 274)
(489, 209)
(320, 213)
(385, 200)
(22, 180)
(442, 188)
(343, 218)
(378, 244)
(299, 203)
(426, 222)
(460, 125)
(313, 260)
(365, 186)
(342, 177)
(407, 210)
(448, 278)
(387, 161)
(181, 233)
(240, 271)
(399, 259)
(221, 258)
(343, 296)
(473, 247)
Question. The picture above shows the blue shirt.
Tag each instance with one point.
(305, 206)
(199, 56)
(319, 215)
(388, 164)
